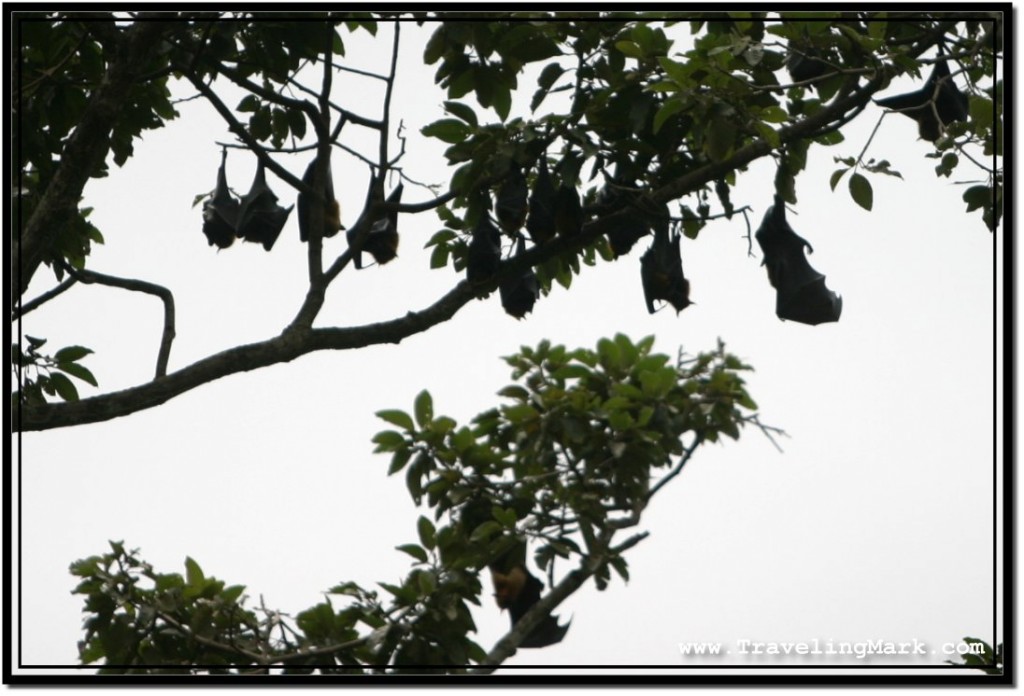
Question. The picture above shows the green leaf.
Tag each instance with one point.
(668, 109)
(79, 371)
(549, 74)
(193, 573)
(774, 114)
(860, 189)
(428, 535)
(71, 354)
(977, 196)
(836, 176)
(65, 387)
(502, 101)
(414, 550)
(629, 48)
(463, 111)
(485, 530)
(448, 130)
(388, 441)
(423, 407)
(249, 103)
(399, 459)
(397, 417)
(231, 594)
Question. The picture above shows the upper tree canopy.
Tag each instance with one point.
(658, 125)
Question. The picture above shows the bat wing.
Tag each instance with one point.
(540, 221)
(484, 252)
(511, 204)
(568, 211)
(260, 218)
(812, 303)
(548, 632)
(519, 294)
(801, 294)
(220, 212)
(219, 218)
(661, 273)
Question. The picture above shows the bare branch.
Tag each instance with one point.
(27, 307)
(165, 295)
(684, 457)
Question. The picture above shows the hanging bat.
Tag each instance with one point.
(332, 210)
(511, 205)
(540, 222)
(803, 64)
(661, 271)
(515, 588)
(260, 218)
(934, 106)
(382, 240)
(631, 229)
(484, 252)
(801, 294)
(518, 294)
(568, 212)
(220, 211)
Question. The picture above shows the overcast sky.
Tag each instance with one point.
(874, 523)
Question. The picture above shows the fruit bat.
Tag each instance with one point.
(518, 294)
(382, 240)
(515, 588)
(661, 271)
(801, 294)
(934, 106)
(804, 66)
(260, 218)
(484, 253)
(332, 211)
(511, 205)
(540, 222)
(632, 228)
(220, 211)
(568, 211)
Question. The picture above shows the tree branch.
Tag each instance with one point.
(25, 308)
(165, 295)
(298, 340)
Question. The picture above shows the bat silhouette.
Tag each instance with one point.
(801, 294)
(260, 218)
(382, 241)
(515, 587)
(220, 211)
(661, 271)
(804, 64)
(518, 294)
(332, 211)
(517, 590)
(484, 252)
(511, 204)
(540, 222)
(568, 211)
(934, 106)
(631, 229)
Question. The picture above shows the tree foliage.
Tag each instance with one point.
(655, 130)
(658, 118)
(567, 464)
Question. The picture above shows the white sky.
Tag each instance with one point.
(874, 524)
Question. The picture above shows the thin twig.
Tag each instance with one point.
(27, 307)
(685, 457)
